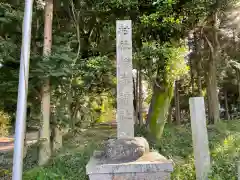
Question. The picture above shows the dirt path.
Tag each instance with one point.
(7, 143)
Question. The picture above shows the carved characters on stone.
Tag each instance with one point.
(125, 110)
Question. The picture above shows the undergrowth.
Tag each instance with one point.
(65, 167)
(224, 144)
(4, 123)
(176, 144)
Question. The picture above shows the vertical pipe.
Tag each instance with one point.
(22, 92)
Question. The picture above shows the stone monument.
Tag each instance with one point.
(125, 116)
(200, 137)
(127, 157)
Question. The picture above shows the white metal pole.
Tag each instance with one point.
(22, 92)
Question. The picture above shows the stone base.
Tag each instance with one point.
(151, 166)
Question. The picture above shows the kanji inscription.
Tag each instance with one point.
(125, 111)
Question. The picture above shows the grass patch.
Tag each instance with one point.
(176, 144)
(71, 167)
(224, 143)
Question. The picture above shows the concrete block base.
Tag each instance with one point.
(151, 166)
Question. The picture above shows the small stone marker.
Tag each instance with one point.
(125, 112)
(199, 137)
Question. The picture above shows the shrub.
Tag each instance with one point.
(4, 123)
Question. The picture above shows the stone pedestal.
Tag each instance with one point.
(148, 166)
(151, 166)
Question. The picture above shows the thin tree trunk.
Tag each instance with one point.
(214, 115)
(197, 43)
(45, 147)
(226, 105)
(135, 100)
(150, 109)
(209, 109)
(177, 103)
(216, 56)
(140, 98)
(238, 82)
(191, 74)
(191, 64)
(57, 138)
(170, 114)
(199, 81)
(137, 97)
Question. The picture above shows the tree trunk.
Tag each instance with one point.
(197, 42)
(137, 98)
(237, 69)
(213, 108)
(211, 76)
(170, 114)
(177, 103)
(227, 115)
(191, 62)
(45, 146)
(208, 103)
(191, 74)
(15, 2)
(57, 138)
(158, 110)
(199, 81)
(150, 109)
(238, 80)
(140, 98)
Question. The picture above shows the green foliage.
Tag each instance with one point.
(176, 63)
(5, 121)
(106, 110)
(98, 74)
(90, 81)
(165, 64)
(225, 151)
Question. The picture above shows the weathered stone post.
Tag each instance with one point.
(200, 137)
(125, 112)
(127, 157)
